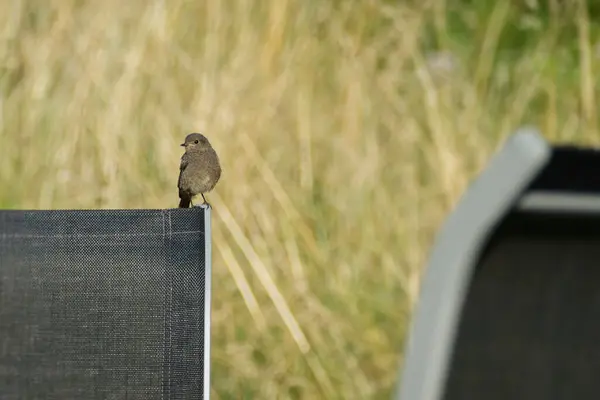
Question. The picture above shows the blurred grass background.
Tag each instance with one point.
(346, 129)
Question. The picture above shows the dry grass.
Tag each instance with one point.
(341, 154)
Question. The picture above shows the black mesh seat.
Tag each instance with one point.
(104, 304)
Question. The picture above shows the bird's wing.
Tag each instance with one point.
(183, 164)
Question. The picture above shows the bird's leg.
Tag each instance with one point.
(191, 202)
(205, 202)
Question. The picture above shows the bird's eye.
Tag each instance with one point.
(195, 141)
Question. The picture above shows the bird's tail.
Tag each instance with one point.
(184, 202)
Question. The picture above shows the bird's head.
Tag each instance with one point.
(195, 141)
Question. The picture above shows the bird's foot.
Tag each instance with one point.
(205, 204)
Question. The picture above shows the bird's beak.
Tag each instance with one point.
(182, 144)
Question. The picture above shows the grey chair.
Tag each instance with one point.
(509, 307)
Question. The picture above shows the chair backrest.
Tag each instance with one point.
(99, 304)
(510, 303)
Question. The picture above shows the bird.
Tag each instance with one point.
(199, 170)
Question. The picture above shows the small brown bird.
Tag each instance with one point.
(199, 170)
